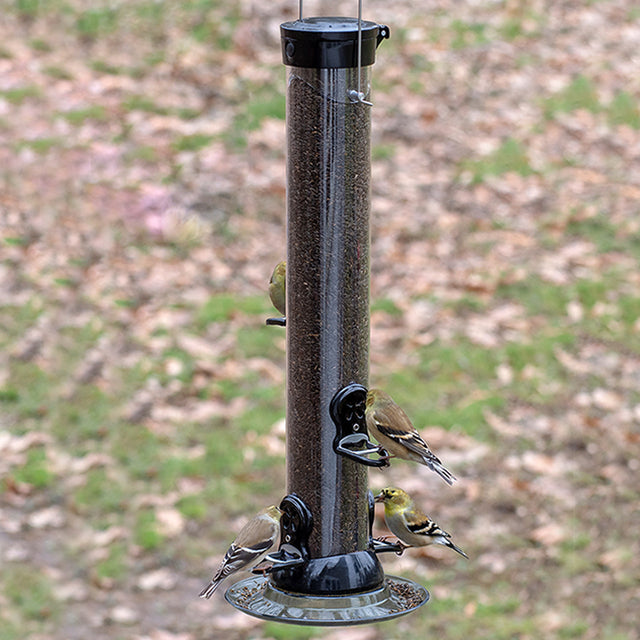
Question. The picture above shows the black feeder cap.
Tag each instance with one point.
(329, 42)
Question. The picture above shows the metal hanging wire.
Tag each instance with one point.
(356, 96)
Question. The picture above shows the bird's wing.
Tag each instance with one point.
(409, 437)
(384, 421)
(261, 530)
(419, 524)
(237, 558)
(255, 539)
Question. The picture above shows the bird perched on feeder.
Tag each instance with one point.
(391, 427)
(411, 526)
(277, 287)
(249, 548)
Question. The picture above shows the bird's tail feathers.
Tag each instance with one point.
(438, 467)
(210, 589)
(447, 543)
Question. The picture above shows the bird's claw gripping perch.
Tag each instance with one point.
(287, 556)
(380, 545)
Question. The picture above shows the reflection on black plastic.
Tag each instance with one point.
(277, 322)
(296, 523)
(348, 413)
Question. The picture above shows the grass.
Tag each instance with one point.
(143, 103)
(30, 592)
(580, 93)
(35, 471)
(192, 142)
(115, 565)
(215, 468)
(39, 145)
(20, 94)
(78, 117)
(145, 531)
(510, 156)
(96, 22)
(467, 34)
(624, 110)
(223, 307)
(100, 494)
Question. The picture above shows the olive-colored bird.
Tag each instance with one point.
(249, 548)
(409, 524)
(391, 427)
(277, 287)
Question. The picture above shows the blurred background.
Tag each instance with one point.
(142, 189)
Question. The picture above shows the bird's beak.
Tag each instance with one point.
(379, 498)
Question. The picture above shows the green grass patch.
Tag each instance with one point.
(16, 241)
(280, 631)
(145, 531)
(258, 342)
(102, 66)
(142, 153)
(602, 232)
(222, 307)
(192, 142)
(19, 95)
(468, 34)
(629, 306)
(175, 467)
(265, 102)
(39, 145)
(137, 449)
(385, 305)
(101, 494)
(144, 103)
(576, 629)
(177, 365)
(537, 296)
(42, 46)
(29, 591)
(94, 23)
(193, 507)
(185, 113)
(78, 117)
(58, 73)
(579, 94)
(467, 304)
(33, 400)
(213, 27)
(87, 418)
(114, 566)
(35, 470)
(510, 156)
(9, 395)
(383, 152)
(624, 110)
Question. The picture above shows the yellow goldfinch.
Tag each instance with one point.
(391, 427)
(249, 548)
(277, 287)
(409, 524)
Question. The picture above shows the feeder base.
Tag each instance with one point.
(257, 597)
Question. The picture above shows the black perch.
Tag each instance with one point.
(326, 571)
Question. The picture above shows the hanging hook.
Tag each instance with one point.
(358, 96)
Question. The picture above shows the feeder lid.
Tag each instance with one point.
(329, 42)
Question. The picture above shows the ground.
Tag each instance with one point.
(142, 189)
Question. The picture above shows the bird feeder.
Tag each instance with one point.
(326, 571)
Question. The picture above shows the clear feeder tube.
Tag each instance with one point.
(328, 205)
